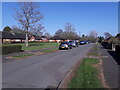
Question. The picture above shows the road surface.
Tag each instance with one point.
(42, 71)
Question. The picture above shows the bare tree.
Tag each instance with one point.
(69, 32)
(93, 36)
(59, 34)
(93, 33)
(28, 15)
(38, 30)
(48, 35)
(16, 29)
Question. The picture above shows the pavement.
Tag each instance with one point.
(42, 71)
(111, 67)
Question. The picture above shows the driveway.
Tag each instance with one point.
(42, 71)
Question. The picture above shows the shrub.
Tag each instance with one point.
(7, 49)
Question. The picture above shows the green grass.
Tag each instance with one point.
(94, 51)
(49, 50)
(86, 75)
(22, 56)
(39, 47)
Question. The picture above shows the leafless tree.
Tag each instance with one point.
(48, 35)
(93, 36)
(29, 16)
(59, 34)
(93, 33)
(69, 32)
(16, 29)
(37, 30)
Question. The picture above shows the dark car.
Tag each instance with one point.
(65, 45)
(86, 42)
(82, 42)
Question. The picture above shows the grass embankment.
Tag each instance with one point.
(86, 75)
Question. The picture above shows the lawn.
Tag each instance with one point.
(22, 56)
(50, 50)
(34, 46)
(86, 75)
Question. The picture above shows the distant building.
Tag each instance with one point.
(17, 37)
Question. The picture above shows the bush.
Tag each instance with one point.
(7, 49)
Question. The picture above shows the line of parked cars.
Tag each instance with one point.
(70, 44)
(84, 42)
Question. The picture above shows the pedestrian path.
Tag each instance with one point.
(111, 67)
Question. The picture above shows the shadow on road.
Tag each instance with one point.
(115, 56)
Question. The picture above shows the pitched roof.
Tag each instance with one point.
(6, 35)
(9, 35)
(43, 37)
(37, 37)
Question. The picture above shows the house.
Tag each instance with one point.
(12, 37)
(6, 36)
(55, 39)
(35, 38)
(44, 39)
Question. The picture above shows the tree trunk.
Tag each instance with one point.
(26, 41)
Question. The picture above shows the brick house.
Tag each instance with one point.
(12, 37)
(44, 39)
(6, 36)
(35, 38)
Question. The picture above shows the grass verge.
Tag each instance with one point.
(22, 56)
(93, 51)
(86, 75)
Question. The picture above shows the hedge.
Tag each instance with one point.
(7, 49)
(117, 48)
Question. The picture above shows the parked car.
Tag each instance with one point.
(82, 43)
(65, 45)
(73, 43)
(86, 42)
(76, 42)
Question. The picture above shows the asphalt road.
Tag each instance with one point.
(42, 71)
